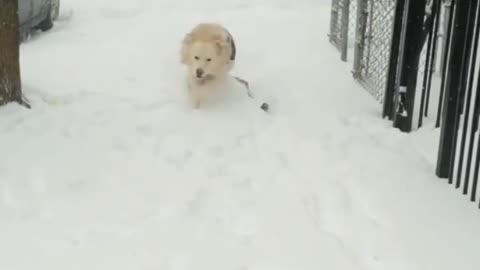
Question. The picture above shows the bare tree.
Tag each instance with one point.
(10, 82)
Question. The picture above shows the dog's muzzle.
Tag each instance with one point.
(199, 73)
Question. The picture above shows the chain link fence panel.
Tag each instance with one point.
(342, 25)
(367, 26)
(352, 23)
(374, 36)
(336, 24)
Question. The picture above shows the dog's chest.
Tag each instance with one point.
(207, 79)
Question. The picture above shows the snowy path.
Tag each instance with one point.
(112, 170)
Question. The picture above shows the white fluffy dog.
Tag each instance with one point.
(208, 51)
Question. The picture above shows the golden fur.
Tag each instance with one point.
(206, 52)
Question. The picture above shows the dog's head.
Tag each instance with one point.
(205, 58)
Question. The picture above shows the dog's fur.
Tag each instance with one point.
(210, 49)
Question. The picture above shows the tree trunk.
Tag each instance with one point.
(10, 82)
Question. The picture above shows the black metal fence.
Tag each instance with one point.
(459, 152)
(415, 35)
(409, 39)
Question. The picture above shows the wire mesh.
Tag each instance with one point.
(352, 23)
(376, 47)
(337, 23)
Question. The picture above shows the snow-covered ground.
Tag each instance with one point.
(112, 170)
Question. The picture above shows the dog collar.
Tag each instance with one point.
(232, 44)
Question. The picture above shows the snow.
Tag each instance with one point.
(111, 169)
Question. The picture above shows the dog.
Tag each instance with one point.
(208, 51)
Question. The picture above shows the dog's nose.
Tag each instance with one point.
(199, 72)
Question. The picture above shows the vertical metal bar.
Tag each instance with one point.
(427, 72)
(448, 14)
(437, 37)
(399, 92)
(476, 174)
(435, 53)
(476, 116)
(472, 37)
(409, 72)
(359, 38)
(461, 90)
(333, 20)
(475, 128)
(445, 53)
(448, 132)
(448, 28)
(388, 106)
(344, 29)
(369, 37)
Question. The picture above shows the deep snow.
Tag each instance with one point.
(112, 170)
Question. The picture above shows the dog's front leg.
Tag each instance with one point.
(196, 98)
(193, 95)
(196, 102)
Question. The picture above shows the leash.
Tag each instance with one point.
(264, 106)
(230, 39)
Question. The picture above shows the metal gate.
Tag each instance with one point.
(374, 29)
(395, 51)
(342, 25)
(459, 149)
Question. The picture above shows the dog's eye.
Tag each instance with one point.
(209, 59)
(197, 58)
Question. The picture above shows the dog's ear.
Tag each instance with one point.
(187, 40)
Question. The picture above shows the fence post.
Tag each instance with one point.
(448, 26)
(431, 25)
(437, 36)
(396, 48)
(435, 54)
(344, 30)
(333, 21)
(470, 55)
(475, 128)
(404, 104)
(453, 79)
(362, 15)
(446, 19)
(475, 121)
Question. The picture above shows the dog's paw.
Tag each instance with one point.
(195, 102)
(196, 106)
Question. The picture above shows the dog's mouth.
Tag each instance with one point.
(206, 77)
